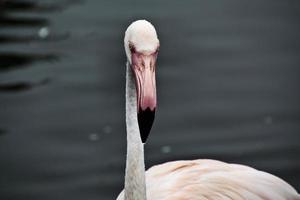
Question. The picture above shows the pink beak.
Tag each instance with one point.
(144, 70)
(143, 67)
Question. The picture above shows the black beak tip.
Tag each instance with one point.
(145, 119)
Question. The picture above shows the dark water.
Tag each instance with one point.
(228, 89)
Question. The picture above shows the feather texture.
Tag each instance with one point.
(213, 180)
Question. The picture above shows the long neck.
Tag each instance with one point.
(135, 187)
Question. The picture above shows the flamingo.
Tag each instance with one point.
(187, 179)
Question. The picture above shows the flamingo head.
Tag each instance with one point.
(141, 47)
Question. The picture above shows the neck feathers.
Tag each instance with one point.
(135, 186)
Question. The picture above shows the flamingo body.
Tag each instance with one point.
(213, 180)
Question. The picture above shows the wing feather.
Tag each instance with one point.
(213, 180)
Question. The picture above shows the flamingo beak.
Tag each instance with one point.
(143, 67)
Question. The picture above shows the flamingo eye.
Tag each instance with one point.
(131, 47)
(157, 49)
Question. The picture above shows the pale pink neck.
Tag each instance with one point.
(135, 186)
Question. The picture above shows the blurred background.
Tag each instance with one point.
(228, 80)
